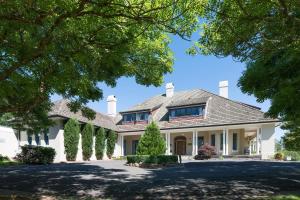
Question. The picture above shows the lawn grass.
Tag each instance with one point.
(285, 197)
(6, 163)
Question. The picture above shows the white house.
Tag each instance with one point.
(187, 120)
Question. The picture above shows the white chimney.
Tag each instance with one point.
(169, 89)
(223, 89)
(111, 105)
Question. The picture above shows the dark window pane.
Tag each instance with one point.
(213, 140)
(234, 141)
(189, 111)
(221, 141)
(200, 141)
(201, 111)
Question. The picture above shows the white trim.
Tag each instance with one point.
(224, 143)
(206, 107)
(194, 143)
(196, 149)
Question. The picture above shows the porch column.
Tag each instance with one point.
(250, 147)
(196, 140)
(227, 132)
(168, 143)
(225, 141)
(257, 141)
(122, 145)
(194, 143)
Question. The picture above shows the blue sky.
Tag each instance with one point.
(189, 72)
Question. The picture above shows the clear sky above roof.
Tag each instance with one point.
(189, 72)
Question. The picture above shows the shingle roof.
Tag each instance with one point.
(61, 109)
(149, 104)
(219, 111)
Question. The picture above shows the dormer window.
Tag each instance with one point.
(136, 117)
(186, 111)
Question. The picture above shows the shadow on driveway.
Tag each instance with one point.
(111, 179)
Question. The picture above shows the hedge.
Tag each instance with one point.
(36, 155)
(111, 142)
(71, 139)
(87, 141)
(152, 159)
(100, 143)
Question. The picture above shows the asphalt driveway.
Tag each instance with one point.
(192, 180)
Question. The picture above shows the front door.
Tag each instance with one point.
(180, 145)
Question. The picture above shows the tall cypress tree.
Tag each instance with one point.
(71, 139)
(151, 143)
(100, 143)
(111, 142)
(87, 141)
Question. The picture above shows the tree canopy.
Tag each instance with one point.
(68, 47)
(266, 36)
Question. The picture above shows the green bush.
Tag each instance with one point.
(111, 142)
(100, 143)
(295, 155)
(87, 141)
(4, 158)
(152, 159)
(151, 143)
(71, 139)
(36, 155)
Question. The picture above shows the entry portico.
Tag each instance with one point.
(230, 140)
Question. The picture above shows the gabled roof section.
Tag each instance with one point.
(150, 104)
(188, 102)
(61, 109)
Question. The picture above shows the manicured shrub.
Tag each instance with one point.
(111, 142)
(295, 155)
(279, 156)
(4, 158)
(36, 155)
(151, 142)
(205, 152)
(71, 139)
(100, 143)
(87, 141)
(152, 159)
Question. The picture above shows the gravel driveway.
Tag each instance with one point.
(192, 180)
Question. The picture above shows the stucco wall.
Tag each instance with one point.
(8, 142)
(267, 141)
